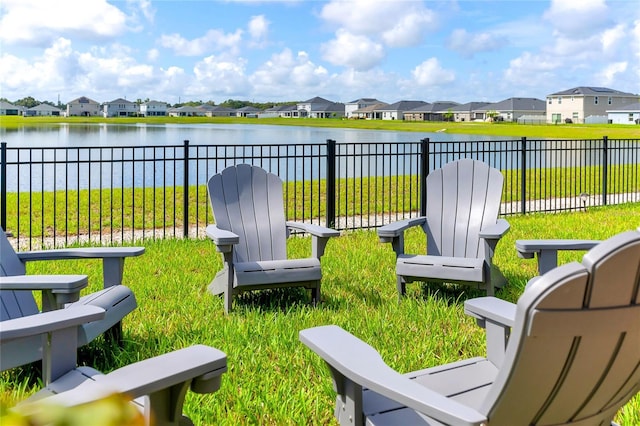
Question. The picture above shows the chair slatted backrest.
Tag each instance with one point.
(462, 198)
(13, 304)
(574, 352)
(248, 201)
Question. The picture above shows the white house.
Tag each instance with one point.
(153, 109)
(120, 108)
(358, 104)
(396, 110)
(513, 108)
(83, 107)
(43, 110)
(579, 103)
(7, 108)
(628, 114)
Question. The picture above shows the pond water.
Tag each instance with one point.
(74, 135)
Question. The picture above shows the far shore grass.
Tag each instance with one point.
(273, 379)
(508, 130)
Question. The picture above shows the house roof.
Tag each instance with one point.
(333, 106)
(119, 101)
(45, 107)
(592, 91)
(248, 108)
(438, 106)
(516, 104)
(626, 108)
(469, 106)
(403, 106)
(83, 100)
(317, 100)
(365, 100)
(371, 108)
(8, 105)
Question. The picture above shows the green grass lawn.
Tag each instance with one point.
(552, 131)
(272, 377)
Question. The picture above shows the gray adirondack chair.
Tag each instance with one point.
(58, 292)
(567, 354)
(159, 384)
(461, 226)
(251, 232)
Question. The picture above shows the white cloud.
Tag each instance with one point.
(353, 51)
(531, 71)
(397, 24)
(36, 22)
(286, 76)
(258, 27)
(578, 18)
(467, 44)
(431, 73)
(213, 40)
(219, 75)
(609, 75)
(153, 54)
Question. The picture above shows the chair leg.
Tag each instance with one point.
(228, 301)
(402, 287)
(315, 294)
(114, 335)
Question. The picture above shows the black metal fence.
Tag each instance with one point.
(60, 195)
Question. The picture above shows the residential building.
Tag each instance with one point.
(43, 110)
(371, 112)
(120, 108)
(83, 107)
(468, 111)
(153, 109)
(284, 111)
(310, 107)
(628, 114)
(217, 111)
(396, 110)
(577, 104)
(513, 108)
(186, 111)
(7, 108)
(358, 104)
(430, 111)
(248, 111)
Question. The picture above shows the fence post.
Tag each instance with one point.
(3, 186)
(331, 183)
(605, 168)
(185, 201)
(424, 172)
(523, 175)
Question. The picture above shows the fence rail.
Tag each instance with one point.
(62, 195)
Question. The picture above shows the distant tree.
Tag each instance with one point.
(28, 102)
(448, 116)
(492, 114)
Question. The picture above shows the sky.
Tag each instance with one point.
(293, 50)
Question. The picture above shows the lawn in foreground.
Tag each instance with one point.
(274, 379)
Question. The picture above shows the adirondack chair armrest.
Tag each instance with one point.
(493, 309)
(495, 231)
(112, 259)
(315, 230)
(547, 250)
(57, 290)
(163, 378)
(352, 360)
(223, 239)
(47, 322)
(387, 233)
(320, 236)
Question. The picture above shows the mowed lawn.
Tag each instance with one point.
(272, 377)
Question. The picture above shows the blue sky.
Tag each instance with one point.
(341, 50)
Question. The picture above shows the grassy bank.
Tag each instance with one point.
(274, 379)
(550, 131)
(85, 211)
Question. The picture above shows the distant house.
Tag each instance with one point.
(247, 111)
(513, 108)
(217, 111)
(429, 111)
(43, 110)
(153, 109)
(310, 107)
(7, 108)
(358, 104)
(120, 108)
(371, 112)
(83, 107)
(186, 111)
(468, 111)
(396, 110)
(330, 110)
(579, 103)
(628, 114)
(284, 111)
